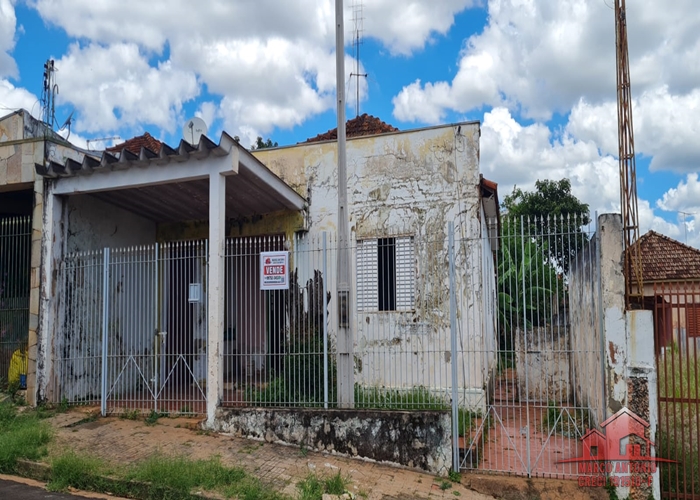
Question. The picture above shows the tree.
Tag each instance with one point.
(553, 216)
(260, 144)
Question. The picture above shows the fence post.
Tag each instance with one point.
(105, 326)
(453, 342)
(325, 324)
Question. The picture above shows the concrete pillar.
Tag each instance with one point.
(35, 291)
(49, 309)
(215, 293)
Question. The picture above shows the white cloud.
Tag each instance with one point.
(8, 23)
(541, 57)
(13, 98)
(666, 127)
(683, 198)
(114, 87)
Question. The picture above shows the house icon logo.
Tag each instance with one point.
(622, 448)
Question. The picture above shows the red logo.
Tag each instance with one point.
(623, 448)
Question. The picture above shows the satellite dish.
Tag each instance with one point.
(194, 129)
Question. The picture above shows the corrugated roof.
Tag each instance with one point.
(361, 125)
(135, 144)
(665, 259)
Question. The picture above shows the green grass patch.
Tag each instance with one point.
(23, 435)
(313, 487)
(158, 478)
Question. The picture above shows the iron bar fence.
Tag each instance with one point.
(15, 269)
(502, 330)
(676, 306)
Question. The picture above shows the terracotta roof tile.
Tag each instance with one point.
(665, 259)
(362, 125)
(134, 144)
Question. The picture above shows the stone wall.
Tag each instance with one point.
(415, 439)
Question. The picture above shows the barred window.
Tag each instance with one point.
(386, 274)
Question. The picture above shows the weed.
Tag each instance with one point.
(456, 493)
(445, 485)
(152, 418)
(63, 405)
(22, 435)
(313, 487)
(80, 472)
(303, 451)
(130, 414)
(362, 494)
(455, 476)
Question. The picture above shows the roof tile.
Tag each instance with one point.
(362, 125)
(134, 144)
(665, 259)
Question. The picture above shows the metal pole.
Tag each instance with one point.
(325, 323)
(105, 327)
(453, 340)
(346, 372)
(524, 329)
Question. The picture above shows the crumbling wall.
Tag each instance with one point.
(416, 439)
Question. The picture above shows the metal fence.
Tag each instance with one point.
(15, 259)
(508, 341)
(133, 333)
(676, 309)
(546, 388)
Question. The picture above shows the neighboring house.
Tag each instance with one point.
(671, 278)
(405, 189)
(24, 142)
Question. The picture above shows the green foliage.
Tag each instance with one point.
(445, 485)
(152, 418)
(455, 476)
(261, 144)
(527, 282)
(22, 436)
(554, 216)
(314, 487)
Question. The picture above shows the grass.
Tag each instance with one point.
(679, 433)
(157, 478)
(313, 487)
(23, 435)
(569, 422)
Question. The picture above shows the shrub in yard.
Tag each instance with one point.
(22, 435)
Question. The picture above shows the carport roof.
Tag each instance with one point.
(172, 184)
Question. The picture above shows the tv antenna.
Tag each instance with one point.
(48, 94)
(358, 20)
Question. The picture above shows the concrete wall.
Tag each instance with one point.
(407, 183)
(543, 364)
(24, 142)
(92, 225)
(416, 439)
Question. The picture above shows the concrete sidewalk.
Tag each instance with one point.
(122, 441)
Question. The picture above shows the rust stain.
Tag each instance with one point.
(613, 353)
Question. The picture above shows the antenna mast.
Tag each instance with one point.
(634, 288)
(358, 19)
(48, 94)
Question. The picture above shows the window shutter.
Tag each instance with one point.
(405, 274)
(367, 276)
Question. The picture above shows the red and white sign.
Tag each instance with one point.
(274, 270)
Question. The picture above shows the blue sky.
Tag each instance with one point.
(539, 75)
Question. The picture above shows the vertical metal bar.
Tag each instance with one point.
(453, 340)
(325, 322)
(524, 329)
(105, 326)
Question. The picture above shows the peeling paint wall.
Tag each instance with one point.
(542, 363)
(409, 183)
(415, 439)
(24, 142)
(93, 225)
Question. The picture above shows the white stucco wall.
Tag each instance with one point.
(408, 183)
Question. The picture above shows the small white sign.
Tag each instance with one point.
(274, 270)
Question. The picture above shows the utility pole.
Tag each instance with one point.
(634, 288)
(346, 368)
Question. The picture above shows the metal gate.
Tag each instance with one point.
(133, 330)
(15, 258)
(544, 381)
(677, 331)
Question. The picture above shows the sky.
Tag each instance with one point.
(538, 74)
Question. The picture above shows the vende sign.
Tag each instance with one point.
(274, 267)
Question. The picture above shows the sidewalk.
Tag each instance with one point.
(121, 441)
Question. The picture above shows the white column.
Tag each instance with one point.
(215, 293)
(49, 310)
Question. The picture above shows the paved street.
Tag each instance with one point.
(10, 490)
